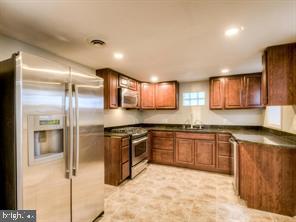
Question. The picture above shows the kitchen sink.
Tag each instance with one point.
(194, 129)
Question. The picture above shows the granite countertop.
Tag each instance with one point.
(241, 135)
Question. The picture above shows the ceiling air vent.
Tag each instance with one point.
(97, 42)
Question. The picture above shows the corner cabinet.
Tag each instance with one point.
(236, 92)
(110, 87)
(279, 72)
(163, 95)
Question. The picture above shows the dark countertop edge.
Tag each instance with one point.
(109, 134)
(279, 135)
(278, 146)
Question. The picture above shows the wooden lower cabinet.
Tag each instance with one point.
(117, 163)
(162, 156)
(224, 154)
(184, 153)
(162, 147)
(125, 170)
(163, 143)
(205, 153)
(267, 178)
(224, 163)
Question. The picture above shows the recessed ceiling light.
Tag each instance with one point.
(233, 31)
(154, 79)
(224, 71)
(118, 55)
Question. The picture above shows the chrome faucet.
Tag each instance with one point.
(199, 125)
(185, 124)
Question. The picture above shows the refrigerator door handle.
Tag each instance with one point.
(69, 132)
(76, 150)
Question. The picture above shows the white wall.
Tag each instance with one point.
(8, 46)
(288, 119)
(119, 117)
(203, 113)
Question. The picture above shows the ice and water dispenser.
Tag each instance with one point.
(46, 138)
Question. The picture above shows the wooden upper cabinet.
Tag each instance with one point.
(237, 91)
(139, 94)
(123, 81)
(234, 92)
(166, 95)
(184, 153)
(216, 93)
(127, 82)
(110, 87)
(147, 96)
(253, 94)
(280, 68)
(132, 84)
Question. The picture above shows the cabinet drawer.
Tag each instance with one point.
(224, 149)
(162, 143)
(124, 154)
(224, 137)
(224, 163)
(125, 170)
(125, 142)
(162, 134)
(200, 136)
(162, 156)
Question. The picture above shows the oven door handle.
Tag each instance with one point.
(139, 140)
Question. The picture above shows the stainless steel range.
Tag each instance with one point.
(138, 148)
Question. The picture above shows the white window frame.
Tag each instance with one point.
(198, 98)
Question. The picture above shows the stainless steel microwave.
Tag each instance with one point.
(128, 98)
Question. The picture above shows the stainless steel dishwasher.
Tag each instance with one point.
(235, 154)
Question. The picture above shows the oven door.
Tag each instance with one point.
(128, 98)
(139, 150)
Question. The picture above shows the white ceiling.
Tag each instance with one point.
(175, 40)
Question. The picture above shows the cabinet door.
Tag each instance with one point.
(281, 74)
(166, 95)
(139, 94)
(162, 156)
(205, 153)
(184, 153)
(110, 87)
(113, 90)
(163, 143)
(123, 81)
(132, 84)
(147, 96)
(217, 93)
(233, 92)
(253, 97)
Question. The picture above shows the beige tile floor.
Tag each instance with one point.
(171, 194)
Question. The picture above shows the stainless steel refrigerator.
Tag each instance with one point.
(52, 139)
